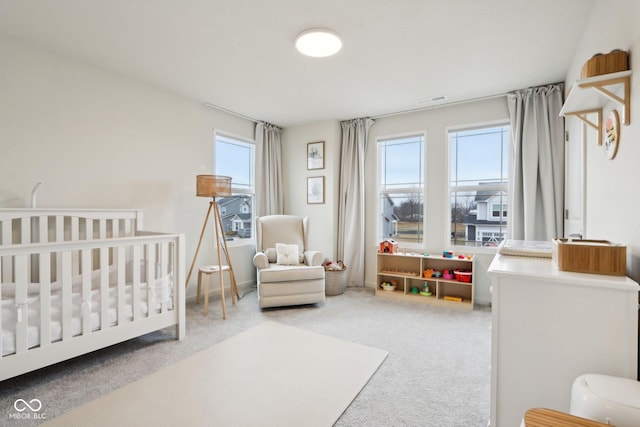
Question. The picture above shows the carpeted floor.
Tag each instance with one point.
(436, 374)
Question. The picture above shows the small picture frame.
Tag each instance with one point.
(315, 155)
(315, 190)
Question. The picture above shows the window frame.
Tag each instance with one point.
(504, 187)
(403, 190)
(240, 191)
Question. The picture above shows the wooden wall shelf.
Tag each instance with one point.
(588, 96)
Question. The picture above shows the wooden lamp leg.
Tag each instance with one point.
(234, 287)
(195, 256)
(219, 235)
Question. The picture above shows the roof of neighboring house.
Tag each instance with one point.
(471, 219)
(244, 217)
(232, 200)
(484, 195)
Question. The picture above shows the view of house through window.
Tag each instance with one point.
(478, 185)
(401, 189)
(235, 158)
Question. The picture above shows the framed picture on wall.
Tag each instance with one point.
(315, 155)
(611, 134)
(315, 190)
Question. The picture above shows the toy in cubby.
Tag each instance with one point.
(425, 292)
(447, 274)
(389, 285)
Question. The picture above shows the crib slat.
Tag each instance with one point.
(21, 303)
(120, 263)
(86, 291)
(164, 270)
(136, 281)
(58, 238)
(67, 307)
(44, 263)
(151, 263)
(75, 236)
(7, 240)
(104, 288)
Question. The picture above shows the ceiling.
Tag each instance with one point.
(239, 54)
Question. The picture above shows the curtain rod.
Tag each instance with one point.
(242, 116)
(379, 116)
(445, 104)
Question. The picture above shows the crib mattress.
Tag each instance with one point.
(83, 310)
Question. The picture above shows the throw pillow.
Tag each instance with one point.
(272, 254)
(287, 254)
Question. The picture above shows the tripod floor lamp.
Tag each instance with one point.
(214, 186)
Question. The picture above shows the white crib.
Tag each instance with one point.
(74, 281)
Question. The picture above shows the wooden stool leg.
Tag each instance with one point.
(199, 287)
(206, 294)
(224, 306)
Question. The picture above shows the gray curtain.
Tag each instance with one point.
(269, 188)
(351, 203)
(536, 163)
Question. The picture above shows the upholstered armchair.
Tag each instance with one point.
(288, 272)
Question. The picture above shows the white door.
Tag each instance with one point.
(575, 175)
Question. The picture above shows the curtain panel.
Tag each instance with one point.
(268, 186)
(351, 198)
(536, 164)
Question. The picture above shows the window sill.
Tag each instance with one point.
(241, 242)
(474, 249)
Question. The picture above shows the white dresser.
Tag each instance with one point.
(550, 326)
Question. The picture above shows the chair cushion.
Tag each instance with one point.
(282, 229)
(289, 273)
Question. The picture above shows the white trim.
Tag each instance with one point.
(447, 179)
(379, 190)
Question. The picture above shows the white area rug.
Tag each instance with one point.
(270, 375)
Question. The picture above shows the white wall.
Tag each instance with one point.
(97, 139)
(612, 203)
(323, 229)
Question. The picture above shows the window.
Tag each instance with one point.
(401, 189)
(478, 173)
(234, 157)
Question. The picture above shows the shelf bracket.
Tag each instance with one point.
(624, 100)
(583, 115)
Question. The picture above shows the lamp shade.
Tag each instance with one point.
(213, 186)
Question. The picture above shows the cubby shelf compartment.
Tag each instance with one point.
(588, 96)
(407, 272)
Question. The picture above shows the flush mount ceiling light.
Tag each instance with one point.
(318, 42)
